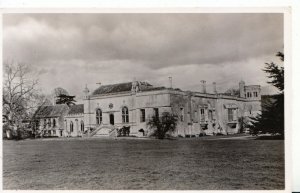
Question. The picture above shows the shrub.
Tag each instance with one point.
(161, 125)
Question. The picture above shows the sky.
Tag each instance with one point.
(74, 50)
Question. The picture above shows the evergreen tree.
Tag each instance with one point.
(62, 97)
(271, 119)
(65, 99)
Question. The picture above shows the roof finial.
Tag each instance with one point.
(86, 90)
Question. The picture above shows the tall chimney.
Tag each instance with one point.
(170, 81)
(215, 88)
(203, 86)
(242, 89)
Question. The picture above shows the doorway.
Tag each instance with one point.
(111, 119)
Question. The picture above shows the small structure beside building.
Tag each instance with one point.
(60, 120)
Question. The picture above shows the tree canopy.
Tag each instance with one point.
(62, 96)
(271, 119)
(65, 99)
(20, 94)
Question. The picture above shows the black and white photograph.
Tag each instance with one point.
(143, 101)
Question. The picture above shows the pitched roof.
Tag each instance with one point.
(51, 111)
(121, 87)
(76, 109)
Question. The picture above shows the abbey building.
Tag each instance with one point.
(125, 108)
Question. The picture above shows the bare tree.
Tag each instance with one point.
(20, 96)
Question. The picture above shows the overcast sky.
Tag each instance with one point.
(71, 50)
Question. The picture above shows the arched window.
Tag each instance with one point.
(82, 126)
(54, 123)
(71, 126)
(125, 115)
(98, 116)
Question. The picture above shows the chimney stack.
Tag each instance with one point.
(170, 82)
(203, 85)
(242, 89)
(215, 88)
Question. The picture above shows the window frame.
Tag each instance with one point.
(210, 115)
(125, 114)
(98, 116)
(202, 115)
(230, 114)
(82, 125)
(255, 94)
(142, 115)
(182, 114)
(71, 127)
(54, 122)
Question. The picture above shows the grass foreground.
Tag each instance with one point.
(143, 164)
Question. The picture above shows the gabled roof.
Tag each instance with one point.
(121, 87)
(76, 109)
(51, 111)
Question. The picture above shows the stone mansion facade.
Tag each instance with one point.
(123, 109)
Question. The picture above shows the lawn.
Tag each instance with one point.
(143, 164)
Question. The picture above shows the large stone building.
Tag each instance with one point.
(123, 109)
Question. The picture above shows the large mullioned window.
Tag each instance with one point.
(232, 114)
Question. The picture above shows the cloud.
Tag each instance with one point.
(116, 47)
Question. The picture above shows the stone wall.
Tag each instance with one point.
(76, 119)
(113, 104)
